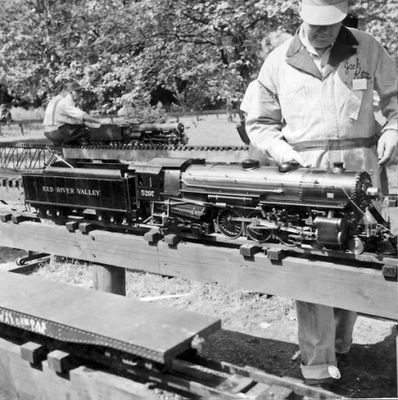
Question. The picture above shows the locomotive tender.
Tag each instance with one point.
(295, 206)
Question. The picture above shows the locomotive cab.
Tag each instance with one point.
(156, 181)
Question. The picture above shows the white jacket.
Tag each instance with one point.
(292, 105)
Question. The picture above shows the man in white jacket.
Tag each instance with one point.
(313, 103)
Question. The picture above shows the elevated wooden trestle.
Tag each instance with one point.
(321, 280)
(364, 288)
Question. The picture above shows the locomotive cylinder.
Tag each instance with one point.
(331, 231)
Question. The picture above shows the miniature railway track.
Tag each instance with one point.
(37, 155)
(247, 247)
(133, 345)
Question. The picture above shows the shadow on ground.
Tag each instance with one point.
(369, 371)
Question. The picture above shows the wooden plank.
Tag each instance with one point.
(147, 330)
(356, 288)
(20, 380)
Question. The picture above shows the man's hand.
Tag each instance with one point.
(92, 124)
(387, 147)
(293, 156)
(282, 152)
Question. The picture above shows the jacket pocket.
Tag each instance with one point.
(353, 105)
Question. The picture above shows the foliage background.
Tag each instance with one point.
(191, 53)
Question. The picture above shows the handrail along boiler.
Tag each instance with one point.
(332, 209)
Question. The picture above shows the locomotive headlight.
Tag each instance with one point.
(373, 192)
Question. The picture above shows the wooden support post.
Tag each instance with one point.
(109, 279)
(396, 352)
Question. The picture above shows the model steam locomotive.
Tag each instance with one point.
(145, 133)
(295, 206)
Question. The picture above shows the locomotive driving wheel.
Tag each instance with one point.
(228, 225)
(259, 235)
(284, 238)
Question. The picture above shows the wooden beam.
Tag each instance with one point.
(325, 282)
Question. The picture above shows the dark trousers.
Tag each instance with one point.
(68, 134)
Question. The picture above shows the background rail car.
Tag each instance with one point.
(294, 206)
(122, 337)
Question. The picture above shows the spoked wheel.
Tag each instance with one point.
(259, 235)
(227, 225)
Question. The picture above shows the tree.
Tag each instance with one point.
(124, 51)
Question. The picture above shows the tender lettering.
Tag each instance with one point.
(65, 190)
(88, 192)
(71, 191)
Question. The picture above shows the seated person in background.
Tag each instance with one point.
(63, 121)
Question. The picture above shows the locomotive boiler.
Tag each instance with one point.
(334, 209)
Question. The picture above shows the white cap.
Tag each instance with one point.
(323, 12)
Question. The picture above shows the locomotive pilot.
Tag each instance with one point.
(313, 103)
(63, 121)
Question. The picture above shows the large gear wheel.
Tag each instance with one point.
(358, 193)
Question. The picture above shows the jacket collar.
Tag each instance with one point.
(343, 48)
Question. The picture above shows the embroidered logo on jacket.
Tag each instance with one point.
(356, 69)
